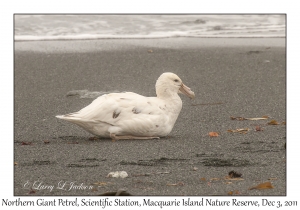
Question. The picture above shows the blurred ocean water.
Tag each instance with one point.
(63, 27)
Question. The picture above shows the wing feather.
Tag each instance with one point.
(118, 108)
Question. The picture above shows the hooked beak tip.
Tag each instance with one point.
(187, 91)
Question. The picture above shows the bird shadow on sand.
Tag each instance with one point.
(85, 139)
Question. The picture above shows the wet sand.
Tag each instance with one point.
(230, 77)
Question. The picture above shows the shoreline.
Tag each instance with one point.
(74, 38)
(126, 44)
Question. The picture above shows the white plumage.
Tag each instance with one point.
(132, 116)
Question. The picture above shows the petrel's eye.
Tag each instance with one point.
(176, 80)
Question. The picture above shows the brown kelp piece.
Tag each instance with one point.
(213, 134)
(273, 122)
(262, 186)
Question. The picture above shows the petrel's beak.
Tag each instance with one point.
(186, 91)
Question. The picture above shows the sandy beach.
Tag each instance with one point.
(233, 77)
